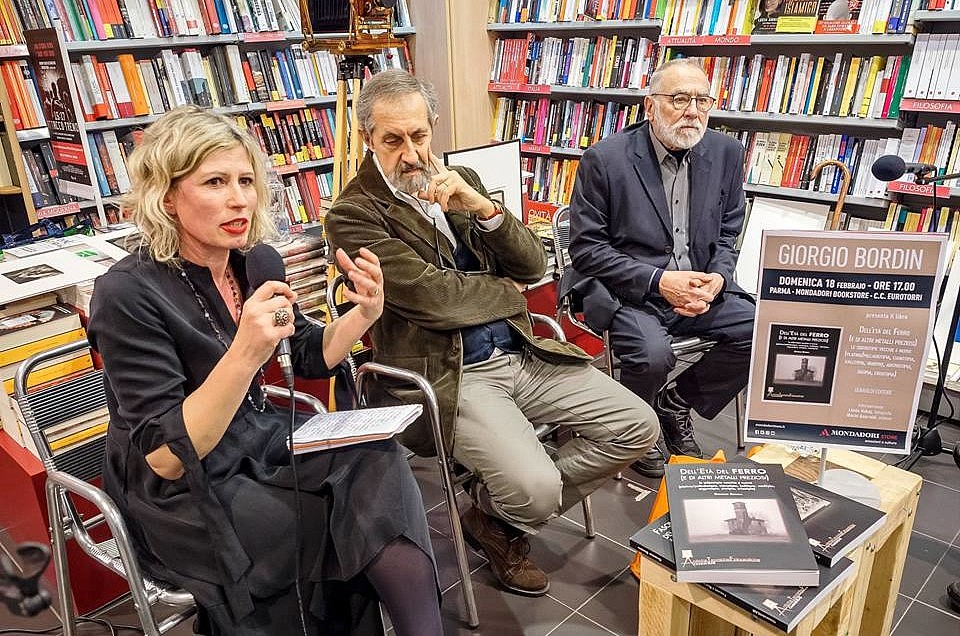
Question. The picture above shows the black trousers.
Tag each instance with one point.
(641, 337)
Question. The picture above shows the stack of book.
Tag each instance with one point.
(762, 540)
(305, 259)
(37, 324)
(28, 327)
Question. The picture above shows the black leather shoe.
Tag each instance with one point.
(677, 427)
(651, 464)
(953, 593)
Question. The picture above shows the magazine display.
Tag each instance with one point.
(737, 523)
(781, 606)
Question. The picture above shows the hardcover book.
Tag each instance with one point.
(781, 606)
(737, 523)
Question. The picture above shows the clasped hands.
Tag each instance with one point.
(690, 293)
(449, 189)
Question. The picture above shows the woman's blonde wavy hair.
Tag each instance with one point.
(173, 147)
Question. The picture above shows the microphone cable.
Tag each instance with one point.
(298, 508)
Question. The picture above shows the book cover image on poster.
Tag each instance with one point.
(781, 606)
(737, 523)
(801, 363)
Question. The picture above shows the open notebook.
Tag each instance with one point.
(343, 428)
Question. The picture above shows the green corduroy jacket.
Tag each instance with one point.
(426, 301)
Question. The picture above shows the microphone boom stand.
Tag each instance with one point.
(935, 445)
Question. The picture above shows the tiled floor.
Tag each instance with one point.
(593, 592)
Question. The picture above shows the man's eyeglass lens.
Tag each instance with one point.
(681, 101)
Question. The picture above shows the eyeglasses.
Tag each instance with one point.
(681, 101)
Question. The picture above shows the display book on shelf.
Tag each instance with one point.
(277, 90)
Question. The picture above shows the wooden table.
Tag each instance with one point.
(862, 606)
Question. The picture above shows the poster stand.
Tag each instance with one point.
(840, 480)
(847, 483)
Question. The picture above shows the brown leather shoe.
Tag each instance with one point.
(507, 549)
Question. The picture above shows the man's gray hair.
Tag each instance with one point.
(657, 78)
(390, 85)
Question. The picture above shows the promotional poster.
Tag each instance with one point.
(842, 332)
(65, 138)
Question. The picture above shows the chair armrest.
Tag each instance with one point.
(410, 377)
(108, 510)
(299, 397)
(551, 324)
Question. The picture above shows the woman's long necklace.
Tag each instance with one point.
(219, 334)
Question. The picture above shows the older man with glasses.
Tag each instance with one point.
(654, 218)
(454, 265)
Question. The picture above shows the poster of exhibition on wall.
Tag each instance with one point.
(843, 327)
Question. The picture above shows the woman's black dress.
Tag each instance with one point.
(225, 530)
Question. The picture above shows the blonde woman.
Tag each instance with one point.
(196, 457)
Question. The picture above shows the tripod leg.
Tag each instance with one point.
(340, 150)
(356, 147)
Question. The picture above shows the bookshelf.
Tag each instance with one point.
(286, 99)
(883, 36)
(17, 205)
(932, 104)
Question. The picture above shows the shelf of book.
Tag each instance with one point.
(33, 134)
(10, 189)
(13, 50)
(618, 94)
(176, 41)
(936, 16)
(534, 149)
(561, 90)
(905, 187)
(930, 105)
(788, 39)
(568, 28)
(730, 117)
(877, 205)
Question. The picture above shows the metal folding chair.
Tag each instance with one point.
(69, 473)
(682, 347)
(451, 473)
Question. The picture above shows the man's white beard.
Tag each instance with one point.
(410, 182)
(677, 136)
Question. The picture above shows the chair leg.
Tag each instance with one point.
(740, 414)
(59, 544)
(589, 530)
(459, 546)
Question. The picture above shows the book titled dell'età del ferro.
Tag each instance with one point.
(737, 523)
(781, 606)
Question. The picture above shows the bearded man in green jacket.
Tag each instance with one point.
(455, 264)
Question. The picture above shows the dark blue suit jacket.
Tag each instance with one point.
(620, 225)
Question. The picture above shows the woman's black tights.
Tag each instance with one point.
(403, 576)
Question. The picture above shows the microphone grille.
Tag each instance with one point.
(264, 263)
(888, 168)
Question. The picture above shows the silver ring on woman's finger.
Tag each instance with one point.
(281, 317)
(376, 291)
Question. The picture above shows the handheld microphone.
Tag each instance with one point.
(265, 263)
(892, 167)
